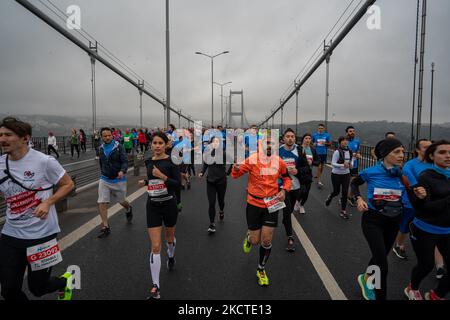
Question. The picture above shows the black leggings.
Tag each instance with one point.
(74, 146)
(218, 188)
(83, 146)
(13, 263)
(339, 180)
(51, 148)
(304, 193)
(424, 244)
(380, 233)
(291, 197)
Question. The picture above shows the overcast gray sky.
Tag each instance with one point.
(41, 72)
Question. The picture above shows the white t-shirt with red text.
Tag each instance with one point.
(35, 170)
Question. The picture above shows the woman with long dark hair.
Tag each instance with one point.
(163, 179)
(83, 140)
(431, 225)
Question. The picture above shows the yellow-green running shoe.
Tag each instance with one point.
(247, 245)
(262, 277)
(67, 293)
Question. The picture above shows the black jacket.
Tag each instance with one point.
(435, 208)
(216, 172)
(115, 162)
(305, 174)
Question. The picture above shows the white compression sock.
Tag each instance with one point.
(155, 267)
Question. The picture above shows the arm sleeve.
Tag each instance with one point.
(432, 207)
(175, 179)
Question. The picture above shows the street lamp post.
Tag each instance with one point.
(212, 80)
(221, 99)
(432, 91)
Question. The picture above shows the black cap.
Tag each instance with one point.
(386, 146)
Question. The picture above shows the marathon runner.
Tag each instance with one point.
(113, 166)
(411, 171)
(264, 200)
(386, 196)
(354, 145)
(290, 154)
(216, 183)
(27, 180)
(308, 159)
(340, 175)
(431, 226)
(163, 179)
(321, 140)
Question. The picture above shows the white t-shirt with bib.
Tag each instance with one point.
(35, 170)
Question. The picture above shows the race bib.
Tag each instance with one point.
(290, 163)
(126, 139)
(273, 204)
(309, 157)
(44, 255)
(387, 194)
(321, 142)
(156, 188)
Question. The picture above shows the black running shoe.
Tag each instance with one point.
(129, 214)
(440, 273)
(343, 214)
(221, 215)
(211, 229)
(171, 263)
(328, 201)
(104, 232)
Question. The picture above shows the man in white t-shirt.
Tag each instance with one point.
(28, 238)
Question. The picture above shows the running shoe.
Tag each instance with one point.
(328, 200)
(368, 294)
(290, 245)
(302, 210)
(412, 294)
(297, 207)
(343, 214)
(431, 295)
(221, 215)
(171, 263)
(262, 277)
(189, 185)
(212, 228)
(247, 245)
(440, 272)
(154, 293)
(104, 232)
(400, 252)
(129, 214)
(67, 293)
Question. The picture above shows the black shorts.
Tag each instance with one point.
(162, 212)
(258, 217)
(322, 158)
(354, 172)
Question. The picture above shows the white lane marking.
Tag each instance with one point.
(322, 270)
(73, 163)
(82, 231)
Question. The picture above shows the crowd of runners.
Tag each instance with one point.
(403, 197)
